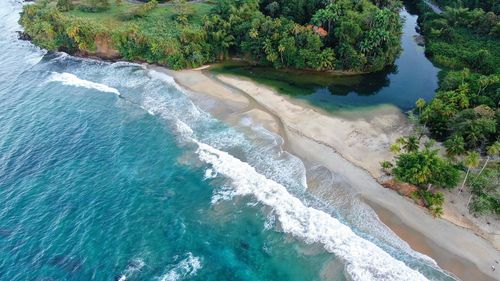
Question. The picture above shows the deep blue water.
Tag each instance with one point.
(110, 172)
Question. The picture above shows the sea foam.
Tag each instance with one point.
(187, 267)
(73, 80)
(363, 259)
(134, 266)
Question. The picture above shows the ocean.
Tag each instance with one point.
(109, 171)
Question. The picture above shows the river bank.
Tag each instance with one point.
(352, 145)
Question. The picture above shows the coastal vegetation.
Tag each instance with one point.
(464, 114)
(357, 36)
(423, 168)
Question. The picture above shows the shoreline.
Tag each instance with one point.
(455, 249)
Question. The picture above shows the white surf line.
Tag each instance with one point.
(364, 260)
(69, 79)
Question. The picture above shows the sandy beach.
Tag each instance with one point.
(352, 144)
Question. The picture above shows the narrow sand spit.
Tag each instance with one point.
(352, 145)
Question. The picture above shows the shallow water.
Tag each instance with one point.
(412, 77)
(109, 171)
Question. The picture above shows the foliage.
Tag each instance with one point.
(464, 113)
(433, 201)
(486, 5)
(409, 143)
(182, 11)
(386, 166)
(462, 38)
(53, 30)
(363, 36)
(466, 107)
(279, 42)
(424, 167)
(485, 192)
(154, 38)
(455, 145)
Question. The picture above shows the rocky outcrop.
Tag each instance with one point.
(21, 35)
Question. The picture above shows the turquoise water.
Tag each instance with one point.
(411, 77)
(110, 172)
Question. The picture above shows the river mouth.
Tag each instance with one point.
(411, 77)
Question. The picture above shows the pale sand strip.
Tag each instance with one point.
(351, 146)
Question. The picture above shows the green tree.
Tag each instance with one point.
(433, 201)
(454, 146)
(471, 161)
(409, 143)
(493, 150)
(425, 167)
(327, 16)
(395, 148)
(484, 196)
(386, 166)
(183, 10)
(420, 103)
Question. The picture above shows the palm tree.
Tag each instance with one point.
(420, 103)
(471, 161)
(411, 144)
(493, 150)
(281, 49)
(454, 146)
(395, 148)
(408, 144)
(386, 166)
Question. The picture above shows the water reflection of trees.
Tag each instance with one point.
(365, 85)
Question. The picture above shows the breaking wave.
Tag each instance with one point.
(69, 79)
(187, 267)
(364, 260)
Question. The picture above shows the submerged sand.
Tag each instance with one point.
(352, 144)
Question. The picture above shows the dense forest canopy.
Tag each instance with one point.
(465, 43)
(349, 35)
(485, 5)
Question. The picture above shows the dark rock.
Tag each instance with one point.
(419, 39)
(21, 35)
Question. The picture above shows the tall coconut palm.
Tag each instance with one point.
(454, 146)
(493, 150)
(420, 103)
(471, 161)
